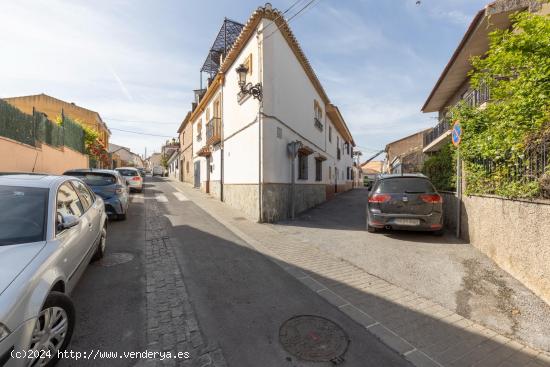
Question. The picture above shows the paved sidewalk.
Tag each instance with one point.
(426, 333)
(172, 325)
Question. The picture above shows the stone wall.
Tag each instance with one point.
(277, 199)
(515, 234)
(449, 210)
(243, 197)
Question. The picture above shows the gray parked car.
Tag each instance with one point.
(50, 229)
(406, 202)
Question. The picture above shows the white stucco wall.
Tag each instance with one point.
(289, 95)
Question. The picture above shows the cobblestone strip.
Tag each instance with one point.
(425, 333)
(171, 322)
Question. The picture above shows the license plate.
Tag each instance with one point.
(407, 222)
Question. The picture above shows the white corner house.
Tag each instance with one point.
(264, 103)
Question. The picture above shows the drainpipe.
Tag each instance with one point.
(260, 135)
(222, 143)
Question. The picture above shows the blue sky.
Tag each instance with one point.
(140, 60)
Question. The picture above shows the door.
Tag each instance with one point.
(197, 183)
(208, 168)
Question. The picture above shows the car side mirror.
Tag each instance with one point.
(66, 221)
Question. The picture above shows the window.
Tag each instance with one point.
(348, 174)
(318, 115)
(68, 202)
(85, 194)
(330, 134)
(21, 206)
(248, 63)
(318, 170)
(302, 167)
(199, 130)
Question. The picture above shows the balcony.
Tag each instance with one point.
(434, 137)
(214, 131)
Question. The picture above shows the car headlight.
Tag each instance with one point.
(4, 332)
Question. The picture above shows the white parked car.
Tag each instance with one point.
(158, 171)
(51, 227)
(133, 178)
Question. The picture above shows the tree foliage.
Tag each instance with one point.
(517, 71)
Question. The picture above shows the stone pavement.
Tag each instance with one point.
(171, 322)
(426, 333)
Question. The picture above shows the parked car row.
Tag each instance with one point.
(55, 226)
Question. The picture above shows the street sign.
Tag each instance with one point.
(456, 134)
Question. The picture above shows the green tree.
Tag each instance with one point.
(517, 71)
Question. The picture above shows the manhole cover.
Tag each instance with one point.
(314, 338)
(116, 258)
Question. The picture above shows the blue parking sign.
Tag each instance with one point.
(456, 133)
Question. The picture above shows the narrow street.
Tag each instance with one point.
(233, 305)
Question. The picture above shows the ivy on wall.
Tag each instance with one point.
(497, 137)
(440, 167)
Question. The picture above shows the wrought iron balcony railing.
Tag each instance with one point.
(442, 127)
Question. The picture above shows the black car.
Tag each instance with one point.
(405, 202)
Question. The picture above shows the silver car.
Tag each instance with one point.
(51, 227)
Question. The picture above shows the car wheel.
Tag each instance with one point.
(53, 329)
(100, 251)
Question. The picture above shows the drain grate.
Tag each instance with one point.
(116, 258)
(314, 338)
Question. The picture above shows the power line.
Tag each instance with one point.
(142, 121)
(282, 14)
(292, 17)
(141, 133)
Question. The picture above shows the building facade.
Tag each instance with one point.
(405, 155)
(241, 142)
(185, 132)
(53, 108)
(453, 84)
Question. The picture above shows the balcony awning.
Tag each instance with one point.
(305, 150)
(204, 152)
(320, 157)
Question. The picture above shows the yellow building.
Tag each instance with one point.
(53, 107)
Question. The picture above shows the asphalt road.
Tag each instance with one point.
(110, 297)
(240, 297)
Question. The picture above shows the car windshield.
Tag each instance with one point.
(410, 185)
(25, 220)
(94, 178)
(128, 172)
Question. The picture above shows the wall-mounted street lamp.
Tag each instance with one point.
(247, 88)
